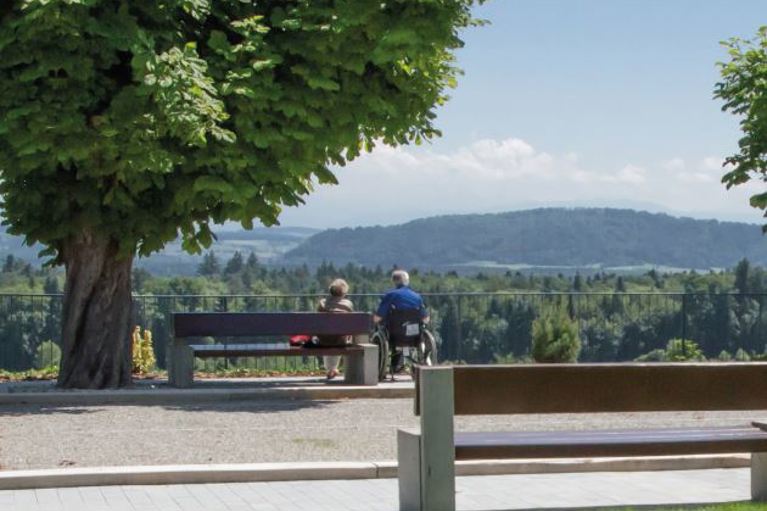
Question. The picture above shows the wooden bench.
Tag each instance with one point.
(361, 365)
(427, 457)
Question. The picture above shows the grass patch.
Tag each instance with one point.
(734, 506)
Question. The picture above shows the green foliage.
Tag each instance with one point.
(724, 356)
(742, 355)
(683, 350)
(143, 351)
(145, 119)
(677, 350)
(555, 338)
(744, 91)
(48, 354)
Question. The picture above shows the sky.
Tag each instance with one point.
(566, 103)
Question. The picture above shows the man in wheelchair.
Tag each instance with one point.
(401, 318)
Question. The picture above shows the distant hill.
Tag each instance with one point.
(267, 243)
(551, 237)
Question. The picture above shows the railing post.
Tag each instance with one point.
(460, 329)
(684, 325)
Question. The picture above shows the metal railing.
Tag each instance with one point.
(470, 327)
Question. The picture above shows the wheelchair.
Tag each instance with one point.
(406, 331)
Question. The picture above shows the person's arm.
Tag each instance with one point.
(383, 308)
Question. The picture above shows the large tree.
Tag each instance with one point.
(125, 124)
(744, 91)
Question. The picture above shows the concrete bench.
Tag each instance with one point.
(427, 457)
(361, 358)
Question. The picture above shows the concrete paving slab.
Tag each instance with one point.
(486, 493)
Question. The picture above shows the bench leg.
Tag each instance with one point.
(361, 367)
(409, 470)
(759, 476)
(181, 365)
(437, 458)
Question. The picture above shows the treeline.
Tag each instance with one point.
(479, 318)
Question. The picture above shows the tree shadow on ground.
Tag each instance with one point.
(244, 406)
(26, 410)
(250, 406)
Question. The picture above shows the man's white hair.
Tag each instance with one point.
(400, 277)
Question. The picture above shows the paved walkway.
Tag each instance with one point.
(474, 493)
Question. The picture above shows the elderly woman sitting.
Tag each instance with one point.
(336, 301)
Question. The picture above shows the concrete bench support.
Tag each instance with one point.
(361, 364)
(427, 460)
(759, 476)
(181, 364)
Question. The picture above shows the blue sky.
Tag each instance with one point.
(567, 102)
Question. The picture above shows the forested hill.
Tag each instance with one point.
(574, 238)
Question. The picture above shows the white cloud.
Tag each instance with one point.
(712, 163)
(392, 185)
(674, 164)
(630, 174)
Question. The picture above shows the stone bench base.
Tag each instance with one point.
(361, 360)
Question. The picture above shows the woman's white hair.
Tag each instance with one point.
(339, 287)
(400, 277)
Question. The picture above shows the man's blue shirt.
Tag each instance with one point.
(402, 298)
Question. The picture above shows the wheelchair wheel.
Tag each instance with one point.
(426, 353)
(427, 349)
(379, 339)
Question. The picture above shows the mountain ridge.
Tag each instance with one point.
(576, 237)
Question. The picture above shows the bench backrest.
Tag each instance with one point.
(593, 388)
(247, 324)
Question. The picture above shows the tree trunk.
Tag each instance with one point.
(95, 340)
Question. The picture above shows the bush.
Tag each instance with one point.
(143, 353)
(658, 355)
(724, 356)
(683, 350)
(48, 354)
(677, 350)
(555, 339)
(742, 356)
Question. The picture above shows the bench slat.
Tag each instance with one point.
(245, 324)
(267, 350)
(606, 443)
(590, 388)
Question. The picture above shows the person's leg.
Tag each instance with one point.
(331, 365)
(397, 360)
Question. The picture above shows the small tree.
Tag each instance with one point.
(47, 354)
(555, 338)
(677, 350)
(209, 267)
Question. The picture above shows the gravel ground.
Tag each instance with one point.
(259, 431)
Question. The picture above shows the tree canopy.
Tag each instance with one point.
(147, 119)
(744, 91)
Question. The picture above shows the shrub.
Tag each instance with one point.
(143, 352)
(555, 339)
(682, 350)
(724, 356)
(677, 350)
(48, 354)
(742, 356)
(657, 355)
